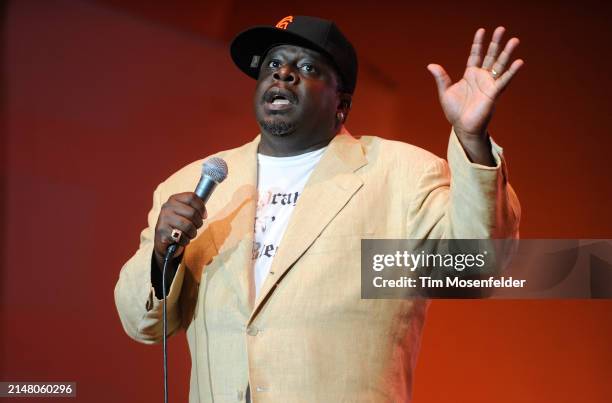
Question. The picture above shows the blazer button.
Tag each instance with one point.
(252, 330)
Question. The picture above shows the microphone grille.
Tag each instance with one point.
(215, 168)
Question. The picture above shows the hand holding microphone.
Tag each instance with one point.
(178, 223)
(183, 213)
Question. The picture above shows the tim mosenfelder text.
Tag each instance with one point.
(460, 261)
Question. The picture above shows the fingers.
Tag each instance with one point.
(189, 213)
(505, 78)
(504, 57)
(188, 229)
(493, 50)
(189, 198)
(496, 62)
(475, 57)
(184, 212)
(443, 81)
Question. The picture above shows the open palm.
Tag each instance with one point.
(469, 103)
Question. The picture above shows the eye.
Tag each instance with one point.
(308, 67)
(274, 64)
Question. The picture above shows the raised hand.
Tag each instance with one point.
(469, 103)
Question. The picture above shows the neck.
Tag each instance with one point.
(292, 144)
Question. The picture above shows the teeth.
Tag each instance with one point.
(280, 101)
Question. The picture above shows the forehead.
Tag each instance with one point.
(297, 52)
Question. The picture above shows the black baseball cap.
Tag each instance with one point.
(249, 47)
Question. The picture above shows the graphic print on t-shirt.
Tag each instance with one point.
(281, 181)
(270, 205)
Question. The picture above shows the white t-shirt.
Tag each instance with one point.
(280, 181)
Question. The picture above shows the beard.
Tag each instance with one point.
(276, 128)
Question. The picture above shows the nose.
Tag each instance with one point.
(285, 73)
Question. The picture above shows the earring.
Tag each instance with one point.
(340, 117)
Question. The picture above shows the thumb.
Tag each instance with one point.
(443, 81)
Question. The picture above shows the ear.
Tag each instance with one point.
(344, 105)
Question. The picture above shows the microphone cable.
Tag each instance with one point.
(214, 171)
(169, 252)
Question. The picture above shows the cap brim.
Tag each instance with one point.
(257, 41)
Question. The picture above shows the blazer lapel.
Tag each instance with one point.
(329, 188)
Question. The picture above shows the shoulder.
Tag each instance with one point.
(186, 178)
(397, 154)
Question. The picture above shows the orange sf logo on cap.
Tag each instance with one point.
(284, 23)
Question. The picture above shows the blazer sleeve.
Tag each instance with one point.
(139, 309)
(464, 200)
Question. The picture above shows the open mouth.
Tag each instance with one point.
(278, 98)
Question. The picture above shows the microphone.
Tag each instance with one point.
(214, 171)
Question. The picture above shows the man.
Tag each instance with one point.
(267, 276)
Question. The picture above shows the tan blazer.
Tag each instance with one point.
(309, 337)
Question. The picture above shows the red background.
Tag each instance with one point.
(103, 100)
